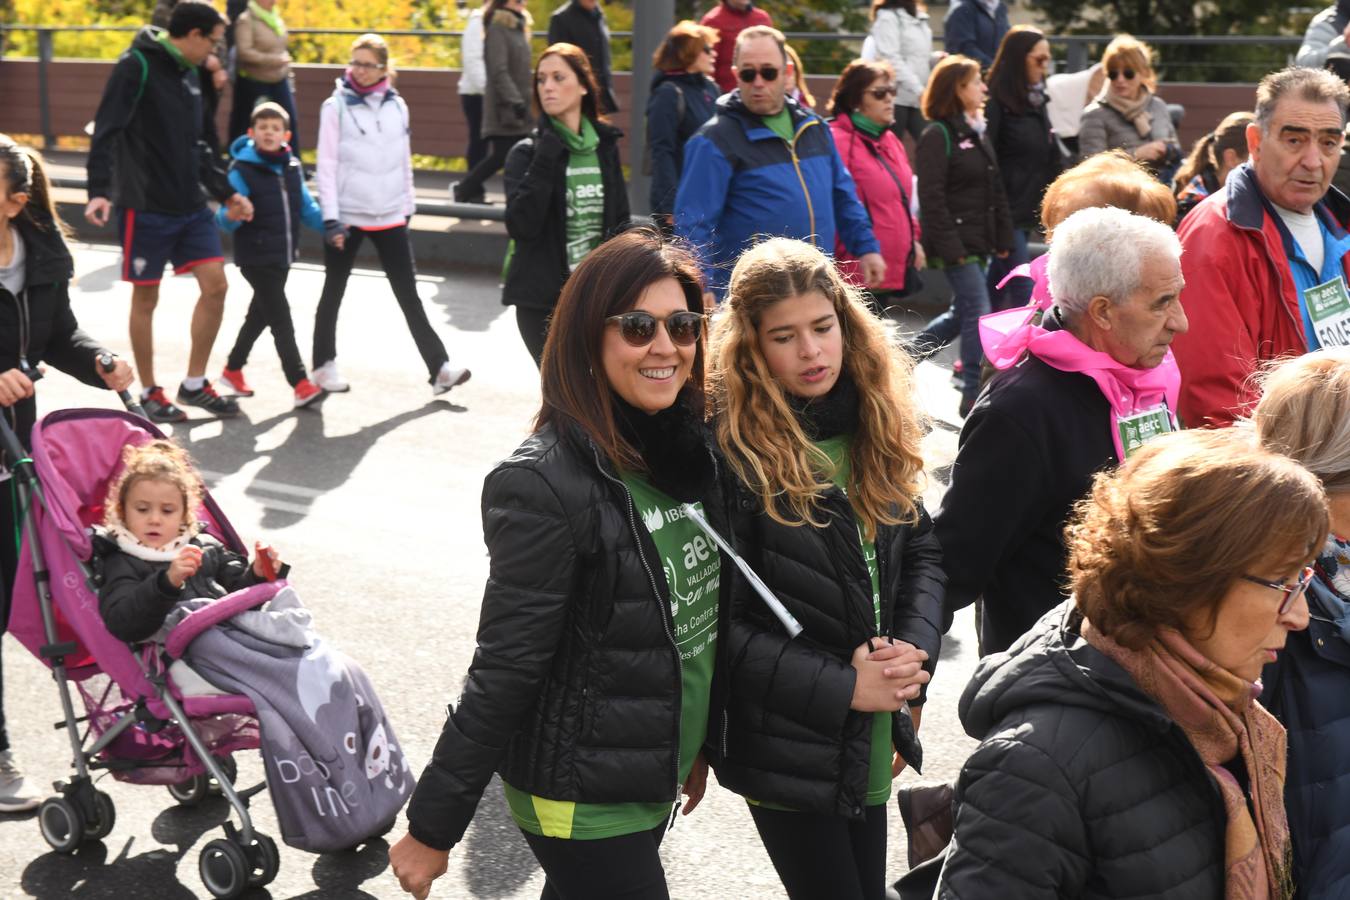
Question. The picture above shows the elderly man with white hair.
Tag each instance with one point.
(1082, 390)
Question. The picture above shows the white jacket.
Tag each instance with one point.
(906, 42)
(473, 73)
(365, 159)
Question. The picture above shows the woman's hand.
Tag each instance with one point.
(888, 675)
(416, 865)
(266, 561)
(695, 784)
(14, 386)
(119, 379)
(920, 258)
(1151, 152)
(185, 565)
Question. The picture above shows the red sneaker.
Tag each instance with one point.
(235, 379)
(306, 392)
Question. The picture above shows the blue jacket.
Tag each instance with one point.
(1308, 690)
(668, 130)
(742, 182)
(970, 30)
(281, 201)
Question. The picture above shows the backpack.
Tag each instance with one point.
(679, 119)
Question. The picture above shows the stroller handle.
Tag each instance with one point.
(9, 442)
(107, 362)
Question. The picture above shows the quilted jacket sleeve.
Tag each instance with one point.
(524, 610)
(1019, 832)
(918, 617)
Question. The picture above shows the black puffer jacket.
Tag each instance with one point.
(38, 325)
(790, 737)
(1028, 157)
(536, 211)
(574, 689)
(1082, 787)
(962, 204)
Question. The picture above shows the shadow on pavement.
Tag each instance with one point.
(100, 279)
(497, 861)
(465, 309)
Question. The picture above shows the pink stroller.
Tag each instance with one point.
(140, 727)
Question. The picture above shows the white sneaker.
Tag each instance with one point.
(326, 376)
(448, 378)
(16, 795)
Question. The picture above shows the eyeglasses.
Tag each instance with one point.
(768, 73)
(1127, 74)
(882, 93)
(358, 64)
(1291, 591)
(638, 328)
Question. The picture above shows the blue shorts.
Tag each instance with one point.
(149, 240)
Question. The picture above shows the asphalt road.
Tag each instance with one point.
(373, 498)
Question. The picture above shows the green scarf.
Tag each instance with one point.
(585, 190)
(267, 16)
(780, 123)
(178, 57)
(866, 125)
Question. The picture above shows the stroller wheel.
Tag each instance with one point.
(102, 826)
(231, 770)
(224, 868)
(266, 860)
(190, 792)
(61, 824)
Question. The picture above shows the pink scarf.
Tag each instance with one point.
(1010, 333)
(351, 82)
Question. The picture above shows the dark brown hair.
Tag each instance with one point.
(910, 6)
(856, 78)
(576, 60)
(1231, 134)
(1162, 539)
(1008, 75)
(682, 46)
(609, 281)
(22, 169)
(939, 100)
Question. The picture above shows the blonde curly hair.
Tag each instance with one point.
(757, 429)
(158, 460)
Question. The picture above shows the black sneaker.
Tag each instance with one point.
(158, 408)
(207, 398)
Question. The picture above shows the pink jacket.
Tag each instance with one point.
(885, 195)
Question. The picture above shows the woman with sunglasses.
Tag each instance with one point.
(1124, 754)
(1028, 154)
(817, 415)
(590, 690)
(365, 185)
(1127, 114)
(1305, 413)
(564, 190)
(863, 114)
(683, 96)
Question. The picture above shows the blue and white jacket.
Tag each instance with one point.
(281, 202)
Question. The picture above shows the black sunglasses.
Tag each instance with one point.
(1112, 73)
(1291, 591)
(638, 328)
(768, 73)
(882, 93)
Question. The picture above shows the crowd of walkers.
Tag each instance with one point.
(1162, 600)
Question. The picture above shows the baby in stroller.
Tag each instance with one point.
(334, 771)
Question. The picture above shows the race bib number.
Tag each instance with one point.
(1329, 308)
(1138, 429)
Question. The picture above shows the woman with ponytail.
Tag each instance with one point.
(1211, 159)
(36, 325)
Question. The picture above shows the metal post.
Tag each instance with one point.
(1078, 56)
(44, 36)
(651, 20)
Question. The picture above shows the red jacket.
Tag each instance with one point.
(1240, 299)
(730, 23)
(883, 197)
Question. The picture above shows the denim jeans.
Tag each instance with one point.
(1018, 291)
(970, 301)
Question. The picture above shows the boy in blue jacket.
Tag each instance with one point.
(265, 243)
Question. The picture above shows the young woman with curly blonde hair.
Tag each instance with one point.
(816, 413)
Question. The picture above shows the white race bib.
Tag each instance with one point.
(1329, 308)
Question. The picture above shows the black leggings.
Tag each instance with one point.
(533, 325)
(826, 856)
(472, 185)
(617, 868)
(268, 309)
(9, 563)
(397, 260)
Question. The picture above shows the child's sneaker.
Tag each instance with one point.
(448, 378)
(207, 398)
(158, 407)
(306, 392)
(16, 795)
(235, 379)
(326, 376)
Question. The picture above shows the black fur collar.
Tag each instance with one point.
(672, 444)
(829, 416)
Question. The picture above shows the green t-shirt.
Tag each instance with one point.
(780, 123)
(692, 569)
(838, 449)
(585, 190)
